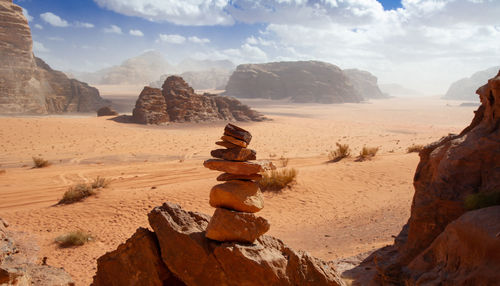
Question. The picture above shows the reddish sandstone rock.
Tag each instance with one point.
(135, 262)
(237, 132)
(243, 196)
(106, 111)
(199, 261)
(227, 144)
(229, 177)
(237, 168)
(467, 252)
(233, 226)
(235, 154)
(150, 107)
(234, 141)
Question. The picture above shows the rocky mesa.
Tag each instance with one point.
(177, 102)
(27, 83)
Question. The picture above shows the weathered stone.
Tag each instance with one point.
(150, 107)
(227, 144)
(228, 225)
(199, 261)
(237, 168)
(243, 196)
(234, 141)
(467, 252)
(137, 261)
(229, 177)
(106, 111)
(237, 132)
(234, 154)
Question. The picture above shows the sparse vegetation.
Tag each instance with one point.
(482, 200)
(367, 153)
(277, 180)
(342, 151)
(74, 238)
(415, 148)
(284, 161)
(100, 182)
(76, 193)
(39, 162)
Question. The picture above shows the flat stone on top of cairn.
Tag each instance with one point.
(239, 197)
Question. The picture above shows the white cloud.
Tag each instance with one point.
(39, 27)
(54, 20)
(39, 47)
(27, 15)
(197, 40)
(137, 33)
(113, 29)
(186, 12)
(84, 25)
(58, 39)
(247, 53)
(172, 39)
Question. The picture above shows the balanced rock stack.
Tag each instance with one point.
(239, 197)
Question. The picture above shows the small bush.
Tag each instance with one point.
(74, 238)
(39, 162)
(414, 148)
(76, 193)
(277, 180)
(367, 152)
(284, 161)
(482, 200)
(100, 182)
(343, 151)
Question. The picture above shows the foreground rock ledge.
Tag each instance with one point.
(195, 260)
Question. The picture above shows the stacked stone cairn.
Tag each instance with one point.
(239, 197)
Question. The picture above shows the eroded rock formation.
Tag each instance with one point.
(177, 102)
(449, 171)
(196, 260)
(29, 85)
(365, 83)
(303, 81)
(464, 89)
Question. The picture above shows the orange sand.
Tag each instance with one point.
(335, 210)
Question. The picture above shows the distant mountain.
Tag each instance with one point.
(206, 79)
(393, 89)
(204, 65)
(465, 89)
(302, 81)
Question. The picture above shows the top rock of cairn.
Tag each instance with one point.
(239, 197)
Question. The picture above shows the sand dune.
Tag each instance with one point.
(335, 210)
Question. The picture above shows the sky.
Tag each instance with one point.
(420, 44)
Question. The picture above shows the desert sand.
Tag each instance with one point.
(334, 210)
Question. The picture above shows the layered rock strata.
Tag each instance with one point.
(239, 197)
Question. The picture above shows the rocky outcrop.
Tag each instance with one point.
(449, 171)
(182, 104)
(18, 264)
(106, 111)
(303, 81)
(365, 83)
(196, 260)
(27, 84)
(464, 89)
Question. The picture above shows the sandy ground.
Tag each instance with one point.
(335, 209)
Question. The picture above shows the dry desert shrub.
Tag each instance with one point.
(342, 151)
(74, 238)
(415, 148)
(284, 161)
(39, 162)
(367, 153)
(76, 193)
(277, 180)
(482, 200)
(100, 182)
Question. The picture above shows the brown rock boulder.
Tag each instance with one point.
(237, 132)
(243, 196)
(227, 144)
(234, 141)
(467, 252)
(233, 226)
(237, 168)
(106, 111)
(199, 261)
(137, 262)
(235, 154)
(150, 107)
(229, 177)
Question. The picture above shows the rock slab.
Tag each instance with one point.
(242, 196)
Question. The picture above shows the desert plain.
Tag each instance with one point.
(334, 210)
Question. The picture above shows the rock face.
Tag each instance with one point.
(18, 264)
(464, 89)
(365, 83)
(449, 171)
(309, 81)
(177, 102)
(29, 85)
(195, 260)
(106, 111)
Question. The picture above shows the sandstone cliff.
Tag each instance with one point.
(365, 83)
(303, 81)
(27, 84)
(177, 102)
(464, 89)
